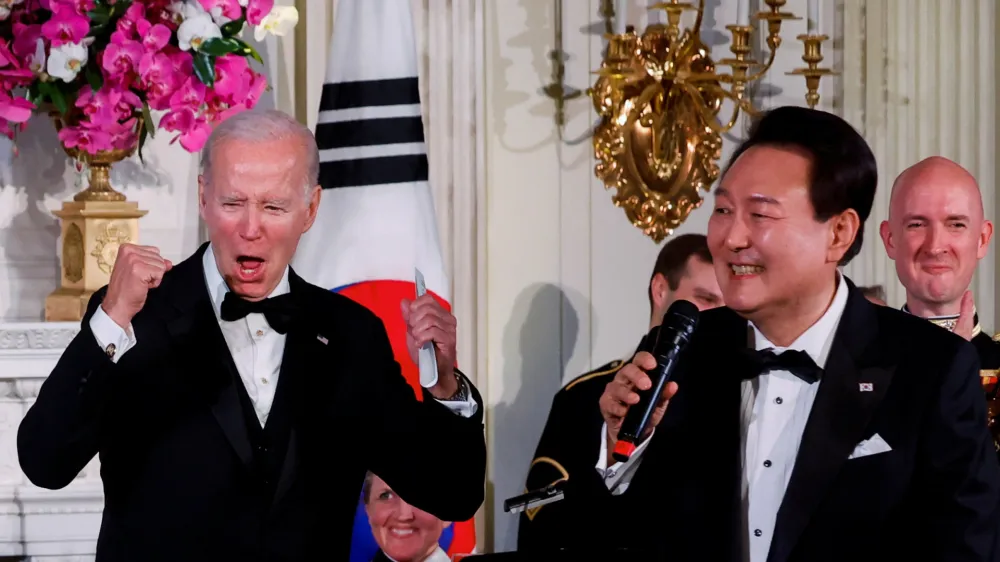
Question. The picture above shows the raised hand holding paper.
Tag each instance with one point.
(427, 363)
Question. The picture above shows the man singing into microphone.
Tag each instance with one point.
(235, 407)
(804, 424)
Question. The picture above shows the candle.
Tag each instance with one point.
(621, 16)
(743, 13)
(812, 18)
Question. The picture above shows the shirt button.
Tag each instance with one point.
(260, 333)
(263, 380)
(767, 464)
(757, 532)
(778, 400)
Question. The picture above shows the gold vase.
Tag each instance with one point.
(94, 225)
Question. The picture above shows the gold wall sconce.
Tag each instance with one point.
(659, 95)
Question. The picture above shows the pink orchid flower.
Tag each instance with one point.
(127, 105)
(191, 94)
(121, 56)
(66, 27)
(228, 9)
(232, 78)
(257, 10)
(86, 139)
(15, 109)
(126, 24)
(159, 78)
(123, 135)
(154, 37)
(99, 107)
(193, 128)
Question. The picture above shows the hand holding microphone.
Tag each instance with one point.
(636, 400)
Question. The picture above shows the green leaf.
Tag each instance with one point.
(233, 28)
(55, 95)
(99, 15)
(147, 120)
(220, 46)
(94, 77)
(142, 141)
(249, 51)
(204, 68)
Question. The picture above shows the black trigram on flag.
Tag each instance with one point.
(369, 129)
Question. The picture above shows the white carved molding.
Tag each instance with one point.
(920, 80)
(43, 525)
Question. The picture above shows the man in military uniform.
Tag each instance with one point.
(566, 451)
(874, 293)
(937, 233)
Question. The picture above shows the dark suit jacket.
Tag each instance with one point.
(179, 473)
(934, 497)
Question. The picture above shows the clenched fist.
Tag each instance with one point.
(137, 270)
(620, 394)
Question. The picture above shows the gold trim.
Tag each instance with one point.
(616, 366)
(996, 337)
(532, 511)
(989, 373)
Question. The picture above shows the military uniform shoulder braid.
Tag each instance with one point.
(605, 370)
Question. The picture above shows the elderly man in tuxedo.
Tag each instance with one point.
(235, 407)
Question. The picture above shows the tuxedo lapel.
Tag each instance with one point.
(195, 328)
(851, 387)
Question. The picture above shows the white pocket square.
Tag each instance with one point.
(871, 446)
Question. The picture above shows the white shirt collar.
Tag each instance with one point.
(818, 339)
(217, 287)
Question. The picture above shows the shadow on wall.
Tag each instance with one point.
(538, 342)
(29, 234)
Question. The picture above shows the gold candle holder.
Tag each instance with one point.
(813, 56)
(741, 62)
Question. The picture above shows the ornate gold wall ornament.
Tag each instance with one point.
(108, 242)
(659, 96)
(73, 254)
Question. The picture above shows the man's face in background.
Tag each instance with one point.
(698, 285)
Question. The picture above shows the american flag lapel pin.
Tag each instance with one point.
(322, 340)
(866, 387)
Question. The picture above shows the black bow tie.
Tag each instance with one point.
(796, 362)
(278, 311)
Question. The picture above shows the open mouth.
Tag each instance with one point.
(741, 270)
(401, 533)
(251, 267)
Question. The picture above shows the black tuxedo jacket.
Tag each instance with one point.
(934, 497)
(186, 477)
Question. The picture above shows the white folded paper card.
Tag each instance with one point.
(427, 359)
(871, 446)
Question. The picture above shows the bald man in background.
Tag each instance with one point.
(936, 233)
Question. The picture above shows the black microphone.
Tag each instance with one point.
(667, 343)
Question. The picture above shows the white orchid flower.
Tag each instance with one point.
(278, 22)
(66, 61)
(195, 31)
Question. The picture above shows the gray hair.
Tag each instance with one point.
(263, 126)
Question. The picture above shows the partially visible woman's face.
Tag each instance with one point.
(403, 532)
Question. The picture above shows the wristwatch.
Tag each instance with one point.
(462, 394)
